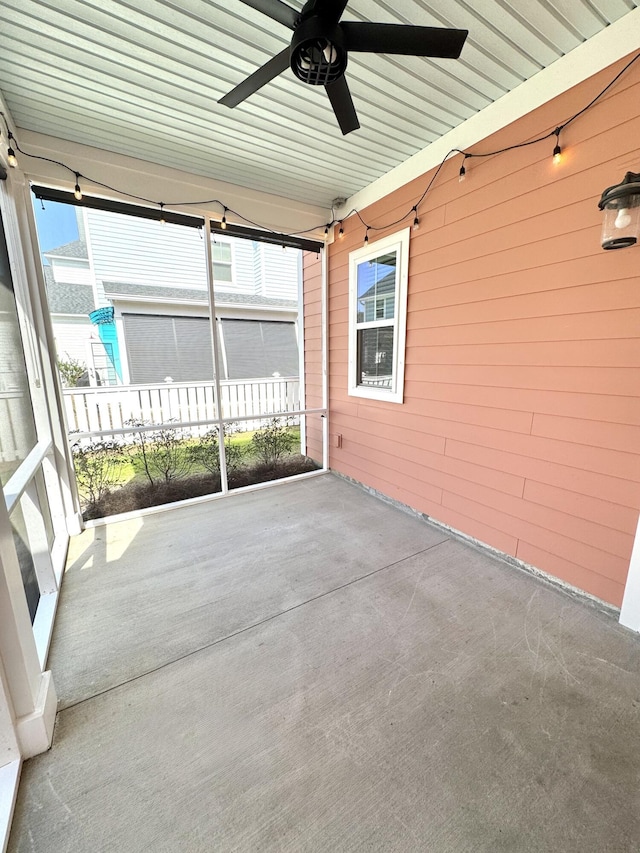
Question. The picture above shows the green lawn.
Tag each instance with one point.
(132, 470)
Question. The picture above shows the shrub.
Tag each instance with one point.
(273, 442)
(205, 451)
(71, 369)
(161, 455)
(98, 466)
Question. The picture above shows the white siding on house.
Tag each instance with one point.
(141, 251)
(279, 278)
(72, 335)
(242, 267)
(70, 271)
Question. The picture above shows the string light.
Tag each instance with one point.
(163, 221)
(557, 151)
(326, 230)
(11, 154)
(557, 158)
(77, 192)
(416, 220)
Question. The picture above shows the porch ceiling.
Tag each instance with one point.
(144, 79)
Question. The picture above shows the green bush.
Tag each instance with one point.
(274, 441)
(161, 455)
(98, 466)
(71, 369)
(204, 452)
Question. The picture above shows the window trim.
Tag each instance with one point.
(399, 241)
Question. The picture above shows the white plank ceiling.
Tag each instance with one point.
(142, 77)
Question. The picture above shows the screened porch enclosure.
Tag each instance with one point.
(186, 377)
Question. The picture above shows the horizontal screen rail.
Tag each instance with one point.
(165, 425)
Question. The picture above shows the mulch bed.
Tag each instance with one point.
(140, 495)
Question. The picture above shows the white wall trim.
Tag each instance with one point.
(630, 611)
(606, 47)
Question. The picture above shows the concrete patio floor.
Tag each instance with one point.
(310, 669)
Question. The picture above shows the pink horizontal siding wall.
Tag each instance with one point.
(521, 419)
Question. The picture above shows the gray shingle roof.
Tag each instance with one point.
(68, 298)
(75, 249)
(113, 289)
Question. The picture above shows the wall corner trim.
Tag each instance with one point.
(630, 610)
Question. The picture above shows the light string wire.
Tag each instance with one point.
(413, 211)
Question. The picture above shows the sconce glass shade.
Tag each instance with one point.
(621, 206)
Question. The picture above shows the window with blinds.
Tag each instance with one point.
(179, 348)
(260, 348)
(161, 347)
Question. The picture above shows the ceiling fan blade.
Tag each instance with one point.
(276, 10)
(403, 39)
(328, 9)
(257, 80)
(342, 104)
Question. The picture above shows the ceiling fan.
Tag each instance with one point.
(320, 46)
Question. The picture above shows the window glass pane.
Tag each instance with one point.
(27, 568)
(17, 426)
(375, 357)
(376, 288)
(222, 252)
(221, 261)
(222, 272)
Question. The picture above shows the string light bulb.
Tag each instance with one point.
(77, 192)
(326, 230)
(463, 171)
(341, 232)
(223, 221)
(557, 151)
(416, 219)
(163, 221)
(366, 236)
(11, 154)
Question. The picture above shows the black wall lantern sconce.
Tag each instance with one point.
(621, 205)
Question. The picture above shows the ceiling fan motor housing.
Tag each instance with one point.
(318, 52)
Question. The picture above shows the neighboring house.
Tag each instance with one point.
(71, 298)
(152, 277)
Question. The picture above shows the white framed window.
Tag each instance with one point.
(378, 274)
(222, 261)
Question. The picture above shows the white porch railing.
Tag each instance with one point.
(108, 408)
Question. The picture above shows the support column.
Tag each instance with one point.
(27, 695)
